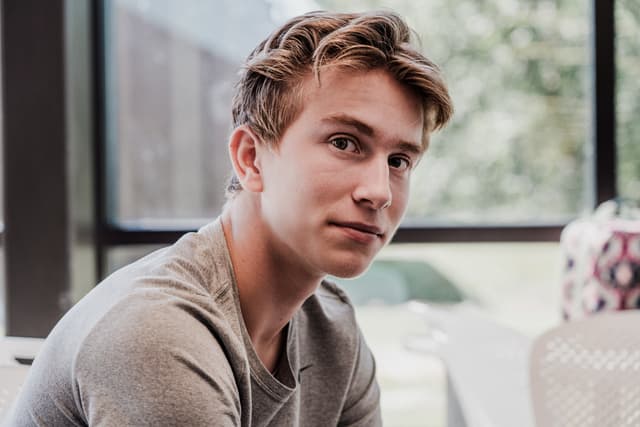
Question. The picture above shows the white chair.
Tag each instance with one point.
(587, 372)
(14, 350)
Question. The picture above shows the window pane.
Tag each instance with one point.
(170, 75)
(514, 153)
(628, 101)
(120, 256)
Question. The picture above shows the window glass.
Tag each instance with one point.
(514, 153)
(120, 256)
(170, 74)
(628, 101)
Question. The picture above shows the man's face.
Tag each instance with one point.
(336, 187)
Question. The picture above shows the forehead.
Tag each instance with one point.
(371, 100)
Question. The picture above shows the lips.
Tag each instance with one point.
(362, 227)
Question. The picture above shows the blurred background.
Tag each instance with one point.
(115, 121)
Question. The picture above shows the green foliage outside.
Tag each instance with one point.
(628, 97)
(519, 74)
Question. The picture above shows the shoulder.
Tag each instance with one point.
(331, 291)
(199, 259)
(152, 324)
(331, 305)
(147, 357)
(149, 328)
(164, 354)
(178, 298)
(340, 361)
(327, 320)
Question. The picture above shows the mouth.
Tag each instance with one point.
(361, 227)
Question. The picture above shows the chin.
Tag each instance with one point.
(349, 270)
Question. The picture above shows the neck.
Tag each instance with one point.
(272, 286)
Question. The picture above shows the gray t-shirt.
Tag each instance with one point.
(163, 342)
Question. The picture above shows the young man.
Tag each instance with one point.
(234, 325)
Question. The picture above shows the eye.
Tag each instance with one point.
(344, 143)
(400, 163)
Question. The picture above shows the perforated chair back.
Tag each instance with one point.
(586, 373)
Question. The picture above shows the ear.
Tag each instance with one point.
(243, 148)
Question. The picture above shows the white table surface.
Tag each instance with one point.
(487, 366)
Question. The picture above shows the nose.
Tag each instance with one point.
(373, 188)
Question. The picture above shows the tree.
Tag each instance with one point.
(518, 73)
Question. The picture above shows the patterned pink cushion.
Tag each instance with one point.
(602, 270)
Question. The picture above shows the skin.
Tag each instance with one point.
(324, 201)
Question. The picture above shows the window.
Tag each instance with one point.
(170, 75)
(516, 152)
(628, 103)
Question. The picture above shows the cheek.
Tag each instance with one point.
(324, 179)
(286, 178)
(400, 197)
(299, 191)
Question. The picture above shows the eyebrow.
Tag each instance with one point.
(369, 131)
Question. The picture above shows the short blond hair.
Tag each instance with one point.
(268, 94)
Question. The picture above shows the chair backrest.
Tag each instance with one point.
(587, 372)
